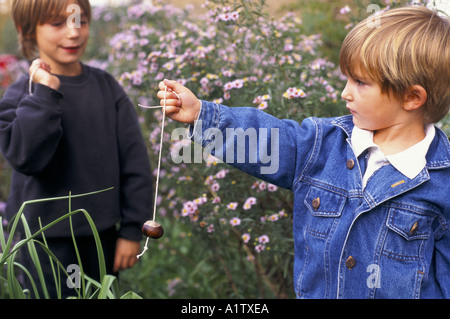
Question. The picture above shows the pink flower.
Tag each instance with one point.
(246, 238)
(222, 173)
(215, 187)
(232, 206)
(227, 73)
(235, 221)
(259, 248)
(237, 84)
(264, 239)
(249, 202)
(263, 105)
(228, 86)
(345, 10)
(294, 93)
(189, 208)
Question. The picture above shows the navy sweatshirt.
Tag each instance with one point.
(82, 138)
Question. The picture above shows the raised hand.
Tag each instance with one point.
(40, 73)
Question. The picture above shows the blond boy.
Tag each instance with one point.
(371, 203)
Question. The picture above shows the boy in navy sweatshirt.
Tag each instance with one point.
(72, 128)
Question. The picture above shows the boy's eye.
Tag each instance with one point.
(56, 23)
(359, 82)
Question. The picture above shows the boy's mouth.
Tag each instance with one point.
(71, 49)
(351, 111)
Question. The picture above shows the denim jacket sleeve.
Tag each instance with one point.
(442, 249)
(255, 142)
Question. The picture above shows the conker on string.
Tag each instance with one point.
(152, 229)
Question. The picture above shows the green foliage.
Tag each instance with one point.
(9, 283)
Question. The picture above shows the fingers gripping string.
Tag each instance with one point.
(148, 224)
(160, 106)
(31, 79)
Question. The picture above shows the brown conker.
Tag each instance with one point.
(152, 229)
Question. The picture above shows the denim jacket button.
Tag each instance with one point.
(350, 262)
(414, 228)
(316, 203)
(350, 164)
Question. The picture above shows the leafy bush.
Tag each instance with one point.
(241, 228)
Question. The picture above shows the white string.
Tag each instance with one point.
(160, 106)
(31, 79)
(159, 158)
(143, 251)
(160, 152)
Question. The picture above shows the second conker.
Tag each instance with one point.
(152, 229)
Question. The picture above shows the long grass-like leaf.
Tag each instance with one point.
(107, 287)
(28, 275)
(35, 257)
(8, 255)
(76, 249)
(2, 237)
(130, 295)
(16, 218)
(55, 276)
(15, 290)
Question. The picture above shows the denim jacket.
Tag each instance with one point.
(390, 240)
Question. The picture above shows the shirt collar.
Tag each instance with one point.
(409, 162)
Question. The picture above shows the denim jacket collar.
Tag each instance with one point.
(438, 155)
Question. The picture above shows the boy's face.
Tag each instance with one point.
(61, 42)
(371, 109)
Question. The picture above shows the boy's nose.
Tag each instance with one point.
(345, 95)
(72, 32)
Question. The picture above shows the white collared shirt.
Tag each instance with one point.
(409, 162)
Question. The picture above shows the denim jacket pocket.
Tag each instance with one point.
(324, 207)
(408, 230)
(319, 223)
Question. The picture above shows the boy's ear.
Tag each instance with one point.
(415, 97)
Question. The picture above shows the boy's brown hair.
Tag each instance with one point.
(27, 14)
(400, 48)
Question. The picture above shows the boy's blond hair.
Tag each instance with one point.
(400, 48)
(27, 14)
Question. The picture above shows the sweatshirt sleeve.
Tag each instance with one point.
(136, 188)
(30, 127)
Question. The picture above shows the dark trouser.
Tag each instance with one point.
(63, 249)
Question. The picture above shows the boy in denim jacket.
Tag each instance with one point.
(371, 194)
